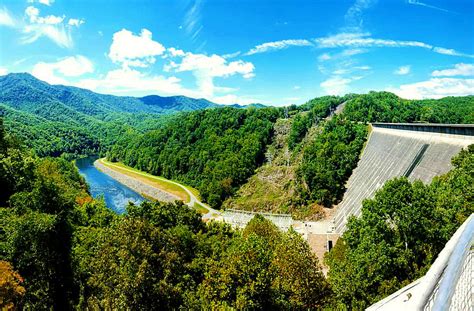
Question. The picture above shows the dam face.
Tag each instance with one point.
(416, 151)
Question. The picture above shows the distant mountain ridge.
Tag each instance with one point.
(24, 92)
(56, 119)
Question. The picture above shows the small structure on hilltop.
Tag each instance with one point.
(240, 218)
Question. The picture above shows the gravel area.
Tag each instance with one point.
(136, 185)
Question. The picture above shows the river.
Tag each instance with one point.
(115, 194)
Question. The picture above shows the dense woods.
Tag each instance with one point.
(329, 159)
(61, 249)
(313, 112)
(387, 107)
(213, 150)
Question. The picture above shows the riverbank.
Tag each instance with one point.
(137, 185)
(187, 194)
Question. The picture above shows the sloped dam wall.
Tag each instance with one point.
(417, 151)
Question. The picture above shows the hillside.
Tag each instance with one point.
(57, 119)
(24, 92)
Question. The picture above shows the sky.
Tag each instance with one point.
(271, 52)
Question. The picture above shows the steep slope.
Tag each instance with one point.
(273, 187)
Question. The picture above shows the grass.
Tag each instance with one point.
(158, 182)
(200, 208)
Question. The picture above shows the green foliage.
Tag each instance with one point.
(56, 120)
(213, 150)
(318, 108)
(263, 269)
(400, 233)
(387, 107)
(328, 161)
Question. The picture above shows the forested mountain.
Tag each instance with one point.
(24, 92)
(57, 119)
(213, 150)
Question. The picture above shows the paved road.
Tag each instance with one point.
(193, 199)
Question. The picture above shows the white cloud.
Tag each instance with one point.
(176, 52)
(324, 57)
(206, 68)
(336, 85)
(55, 73)
(353, 16)
(51, 26)
(416, 2)
(215, 65)
(75, 22)
(296, 87)
(403, 70)
(435, 88)
(33, 14)
(45, 2)
(6, 19)
(3, 71)
(232, 99)
(131, 50)
(278, 45)
(460, 69)
(127, 81)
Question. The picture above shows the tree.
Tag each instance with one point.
(11, 290)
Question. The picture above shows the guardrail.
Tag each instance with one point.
(448, 284)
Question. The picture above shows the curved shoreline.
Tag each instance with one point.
(153, 191)
(136, 185)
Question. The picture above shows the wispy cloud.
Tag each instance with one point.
(460, 69)
(354, 15)
(403, 70)
(338, 85)
(35, 26)
(364, 40)
(6, 19)
(278, 45)
(192, 24)
(416, 2)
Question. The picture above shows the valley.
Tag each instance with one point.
(251, 192)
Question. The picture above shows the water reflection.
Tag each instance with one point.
(115, 194)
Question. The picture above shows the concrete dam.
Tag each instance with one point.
(416, 151)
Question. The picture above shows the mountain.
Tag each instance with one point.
(24, 92)
(178, 103)
(255, 105)
(56, 119)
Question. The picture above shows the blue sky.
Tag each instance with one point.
(272, 52)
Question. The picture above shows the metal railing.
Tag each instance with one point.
(448, 284)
